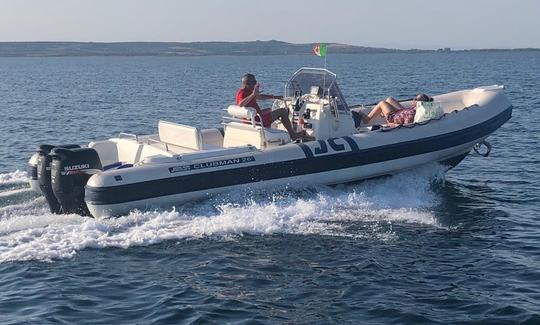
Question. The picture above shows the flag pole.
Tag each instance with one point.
(320, 50)
(324, 78)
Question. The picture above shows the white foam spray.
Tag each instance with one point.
(29, 232)
(16, 177)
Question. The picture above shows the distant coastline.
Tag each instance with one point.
(252, 48)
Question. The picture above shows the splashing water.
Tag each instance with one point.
(28, 231)
(16, 177)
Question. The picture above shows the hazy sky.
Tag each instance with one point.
(386, 23)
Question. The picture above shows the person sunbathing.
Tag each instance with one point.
(394, 112)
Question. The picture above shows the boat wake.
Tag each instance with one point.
(12, 179)
(368, 211)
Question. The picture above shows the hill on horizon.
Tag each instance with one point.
(272, 47)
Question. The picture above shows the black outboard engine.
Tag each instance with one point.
(44, 174)
(70, 170)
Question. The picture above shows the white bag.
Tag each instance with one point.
(427, 111)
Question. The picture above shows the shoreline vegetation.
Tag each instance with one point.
(251, 48)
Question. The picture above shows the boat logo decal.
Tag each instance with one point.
(212, 164)
(76, 167)
(322, 146)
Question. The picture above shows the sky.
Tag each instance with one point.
(402, 24)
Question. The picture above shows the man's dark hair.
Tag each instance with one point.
(248, 77)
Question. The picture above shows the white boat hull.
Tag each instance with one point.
(425, 136)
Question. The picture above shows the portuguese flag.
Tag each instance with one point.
(320, 49)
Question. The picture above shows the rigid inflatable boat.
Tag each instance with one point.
(182, 163)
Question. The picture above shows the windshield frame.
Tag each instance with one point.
(329, 85)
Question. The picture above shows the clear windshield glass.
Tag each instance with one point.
(315, 81)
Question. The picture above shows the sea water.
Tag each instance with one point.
(422, 246)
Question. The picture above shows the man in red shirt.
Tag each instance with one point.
(247, 96)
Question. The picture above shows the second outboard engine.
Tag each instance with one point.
(70, 170)
(44, 174)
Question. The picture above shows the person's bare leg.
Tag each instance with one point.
(376, 111)
(386, 109)
(397, 105)
(283, 115)
(382, 107)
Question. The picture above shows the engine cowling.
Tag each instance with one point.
(43, 174)
(70, 170)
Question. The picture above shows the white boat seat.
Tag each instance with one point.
(124, 150)
(276, 137)
(241, 134)
(242, 112)
(211, 139)
(107, 151)
(129, 150)
(180, 135)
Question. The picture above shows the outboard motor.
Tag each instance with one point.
(70, 170)
(44, 174)
(31, 170)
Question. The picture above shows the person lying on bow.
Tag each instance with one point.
(394, 112)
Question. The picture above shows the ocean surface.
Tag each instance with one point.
(420, 247)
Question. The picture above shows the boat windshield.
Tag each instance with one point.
(315, 81)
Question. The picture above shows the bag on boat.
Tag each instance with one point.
(427, 111)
